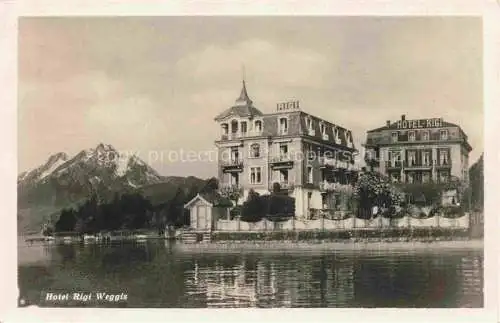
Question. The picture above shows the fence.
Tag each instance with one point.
(351, 223)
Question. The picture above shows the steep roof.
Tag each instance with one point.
(243, 106)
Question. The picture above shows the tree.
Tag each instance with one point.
(253, 209)
(176, 208)
(211, 185)
(232, 192)
(373, 189)
(67, 221)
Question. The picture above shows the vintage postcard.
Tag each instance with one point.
(261, 161)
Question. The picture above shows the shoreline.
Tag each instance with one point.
(289, 246)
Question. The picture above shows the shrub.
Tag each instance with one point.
(235, 212)
(453, 211)
(253, 209)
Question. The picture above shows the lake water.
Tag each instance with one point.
(159, 274)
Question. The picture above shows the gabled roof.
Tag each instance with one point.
(211, 199)
(198, 197)
(243, 107)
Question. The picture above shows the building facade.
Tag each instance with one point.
(308, 156)
(419, 151)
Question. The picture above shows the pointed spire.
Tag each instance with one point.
(243, 99)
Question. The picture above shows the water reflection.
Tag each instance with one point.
(155, 275)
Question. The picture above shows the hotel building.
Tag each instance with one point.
(419, 151)
(308, 156)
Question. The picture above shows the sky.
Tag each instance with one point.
(153, 85)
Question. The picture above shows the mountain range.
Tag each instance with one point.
(64, 181)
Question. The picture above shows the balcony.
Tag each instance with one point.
(281, 161)
(418, 164)
(394, 164)
(282, 131)
(233, 165)
(443, 164)
(327, 162)
(325, 186)
(240, 135)
(284, 185)
(311, 132)
(325, 137)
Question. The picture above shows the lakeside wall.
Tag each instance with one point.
(346, 224)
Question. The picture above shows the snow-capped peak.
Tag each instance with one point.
(101, 163)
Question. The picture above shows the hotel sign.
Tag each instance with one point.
(421, 123)
(290, 105)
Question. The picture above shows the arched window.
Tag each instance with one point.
(258, 126)
(255, 150)
(225, 128)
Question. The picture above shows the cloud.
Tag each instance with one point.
(297, 67)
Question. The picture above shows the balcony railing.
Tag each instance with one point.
(283, 131)
(443, 163)
(325, 136)
(418, 164)
(232, 165)
(283, 158)
(284, 185)
(394, 164)
(325, 186)
(311, 132)
(240, 135)
(327, 162)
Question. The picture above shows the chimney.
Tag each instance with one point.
(403, 117)
(388, 123)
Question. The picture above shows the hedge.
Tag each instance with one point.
(399, 233)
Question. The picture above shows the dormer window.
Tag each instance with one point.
(336, 135)
(258, 126)
(283, 126)
(411, 136)
(308, 123)
(224, 129)
(394, 136)
(322, 129)
(443, 134)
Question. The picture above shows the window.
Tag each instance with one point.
(336, 134)
(443, 176)
(322, 128)
(234, 154)
(309, 123)
(411, 136)
(443, 157)
(258, 126)
(243, 127)
(425, 135)
(412, 158)
(426, 177)
(283, 176)
(443, 134)
(255, 175)
(309, 174)
(410, 178)
(394, 137)
(225, 129)
(427, 158)
(283, 150)
(255, 150)
(283, 125)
